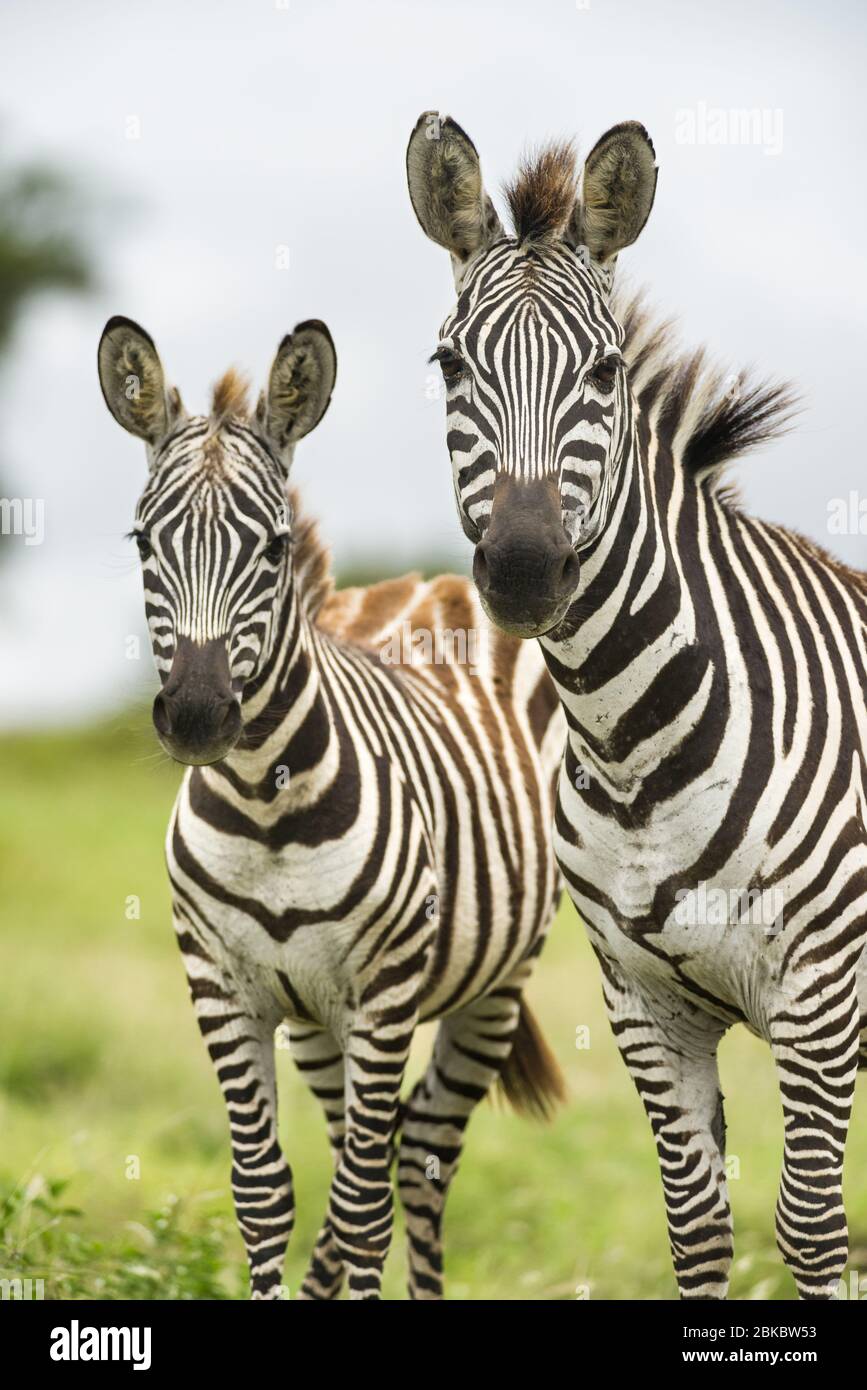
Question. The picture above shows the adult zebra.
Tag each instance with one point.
(358, 846)
(712, 668)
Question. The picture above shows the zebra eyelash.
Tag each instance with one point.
(145, 549)
(612, 358)
(444, 355)
(281, 541)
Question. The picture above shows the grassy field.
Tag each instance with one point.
(114, 1166)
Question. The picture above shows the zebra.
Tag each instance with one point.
(710, 818)
(360, 841)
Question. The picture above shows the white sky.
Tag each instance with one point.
(268, 125)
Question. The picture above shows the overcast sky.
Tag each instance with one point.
(264, 126)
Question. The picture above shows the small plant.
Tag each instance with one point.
(166, 1256)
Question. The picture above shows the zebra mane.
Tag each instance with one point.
(712, 417)
(230, 397)
(542, 196)
(311, 560)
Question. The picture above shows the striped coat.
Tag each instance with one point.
(369, 850)
(710, 819)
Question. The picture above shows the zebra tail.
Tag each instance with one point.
(531, 1080)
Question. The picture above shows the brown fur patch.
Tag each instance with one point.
(542, 196)
(541, 707)
(367, 616)
(230, 397)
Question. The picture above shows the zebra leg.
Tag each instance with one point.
(320, 1062)
(815, 1045)
(361, 1205)
(469, 1053)
(241, 1048)
(674, 1068)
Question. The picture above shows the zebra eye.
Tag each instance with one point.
(273, 551)
(145, 549)
(451, 366)
(603, 373)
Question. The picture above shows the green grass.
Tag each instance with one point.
(115, 1160)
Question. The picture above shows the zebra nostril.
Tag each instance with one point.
(480, 568)
(230, 722)
(161, 715)
(570, 571)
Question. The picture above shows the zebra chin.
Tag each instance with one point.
(198, 753)
(524, 618)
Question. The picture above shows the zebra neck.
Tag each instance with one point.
(631, 664)
(289, 737)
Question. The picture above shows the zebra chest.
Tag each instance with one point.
(272, 920)
(636, 889)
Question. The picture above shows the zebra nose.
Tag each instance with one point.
(524, 566)
(526, 571)
(196, 714)
(177, 717)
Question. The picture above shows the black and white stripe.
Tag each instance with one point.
(365, 850)
(710, 819)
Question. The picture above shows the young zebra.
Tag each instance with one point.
(713, 671)
(357, 846)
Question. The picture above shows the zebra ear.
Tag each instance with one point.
(618, 185)
(133, 383)
(445, 187)
(299, 385)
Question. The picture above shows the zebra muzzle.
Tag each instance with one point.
(525, 568)
(196, 715)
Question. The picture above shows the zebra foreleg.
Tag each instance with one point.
(361, 1205)
(815, 1041)
(470, 1051)
(242, 1050)
(320, 1062)
(671, 1054)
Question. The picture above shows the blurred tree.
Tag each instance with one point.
(42, 243)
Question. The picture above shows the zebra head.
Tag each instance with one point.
(538, 405)
(213, 524)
